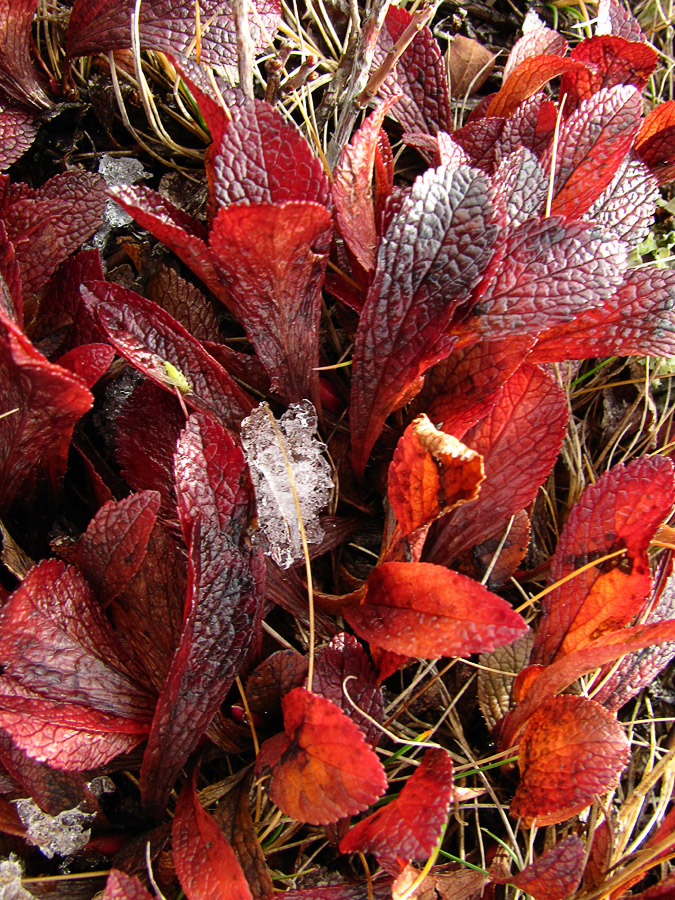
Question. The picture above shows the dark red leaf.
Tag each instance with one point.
(419, 77)
(344, 658)
(224, 602)
(609, 61)
(97, 26)
(571, 751)
(18, 78)
(417, 288)
(555, 874)
(353, 191)
(430, 474)
(531, 126)
(480, 141)
(121, 886)
(18, 128)
(185, 303)
(637, 319)
(262, 158)
(419, 609)
(59, 653)
(536, 41)
(621, 511)
(526, 79)
(43, 402)
(408, 827)
(519, 441)
(321, 768)
(89, 362)
(205, 862)
(273, 259)
(272, 680)
(655, 143)
(592, 143)
(149, 338)
(61, 311)
(551, 270)
(47, 225)
(113, 546)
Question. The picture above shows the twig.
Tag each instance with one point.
(244, 46)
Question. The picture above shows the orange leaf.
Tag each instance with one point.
(420, 609)
(430, 474)
(321, 768)
(526, 79)
(205, 863)
(571, 750)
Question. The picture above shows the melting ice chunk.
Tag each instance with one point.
(277, 512)
(11, 873)
(58, 835)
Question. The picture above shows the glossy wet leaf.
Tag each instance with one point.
(320, 768)
(571, 751)
(622, 510)
(424, 610)
(408, 827)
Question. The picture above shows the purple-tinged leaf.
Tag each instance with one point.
(18, 128)
(519, 441)
(450, 152)
(609, 61)
(638, 319)
(97, 26)
(149, 338)
(114, 544)
(616, 19)
(345, 658)
(480, 140)
(121, 886)
(592, 144)
(622, 510)
(433, 255)
(520, 184)
(216, 506)
(18, 77)
(419, 77)
(531, 126)
(263, 158)
(353, 191)
(269, 682)
(273, 259)
(541, 41)
(42, 402)
(627, 206)
(550, 271)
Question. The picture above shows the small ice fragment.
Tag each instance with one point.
(277, 512)
(101, 785)
(117, 171)
(59, 835)
(11, 873)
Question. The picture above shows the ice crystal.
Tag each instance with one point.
(262, 438)
(116, 172)
(58, 835)
(11, 873)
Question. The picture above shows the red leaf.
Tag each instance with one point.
(18, 78)
(480, 141)
(320, 768)
(114, 544)
(541, 41)
(519, 441)
(622, 510)
(609, 61)
(551, 270)
(205, 862)
(47, 225)
(96, 26)
(637, 319)
(409, 827)
(344, 658)
(557, 872)
(89, 362)
(418, 286)
(223, 606)
(43, 402)
(273, 258)
(17, 132)
(526, 79)
(262, 158)
(419, 77)
(592, 144)
(275, 677)
(58, 651)
(423, 610)
(121, 886)
(655, 143)
(571, 751)
(430, 474)
(149, 338)
(531, 126)
(185, 302)
(353, 191)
